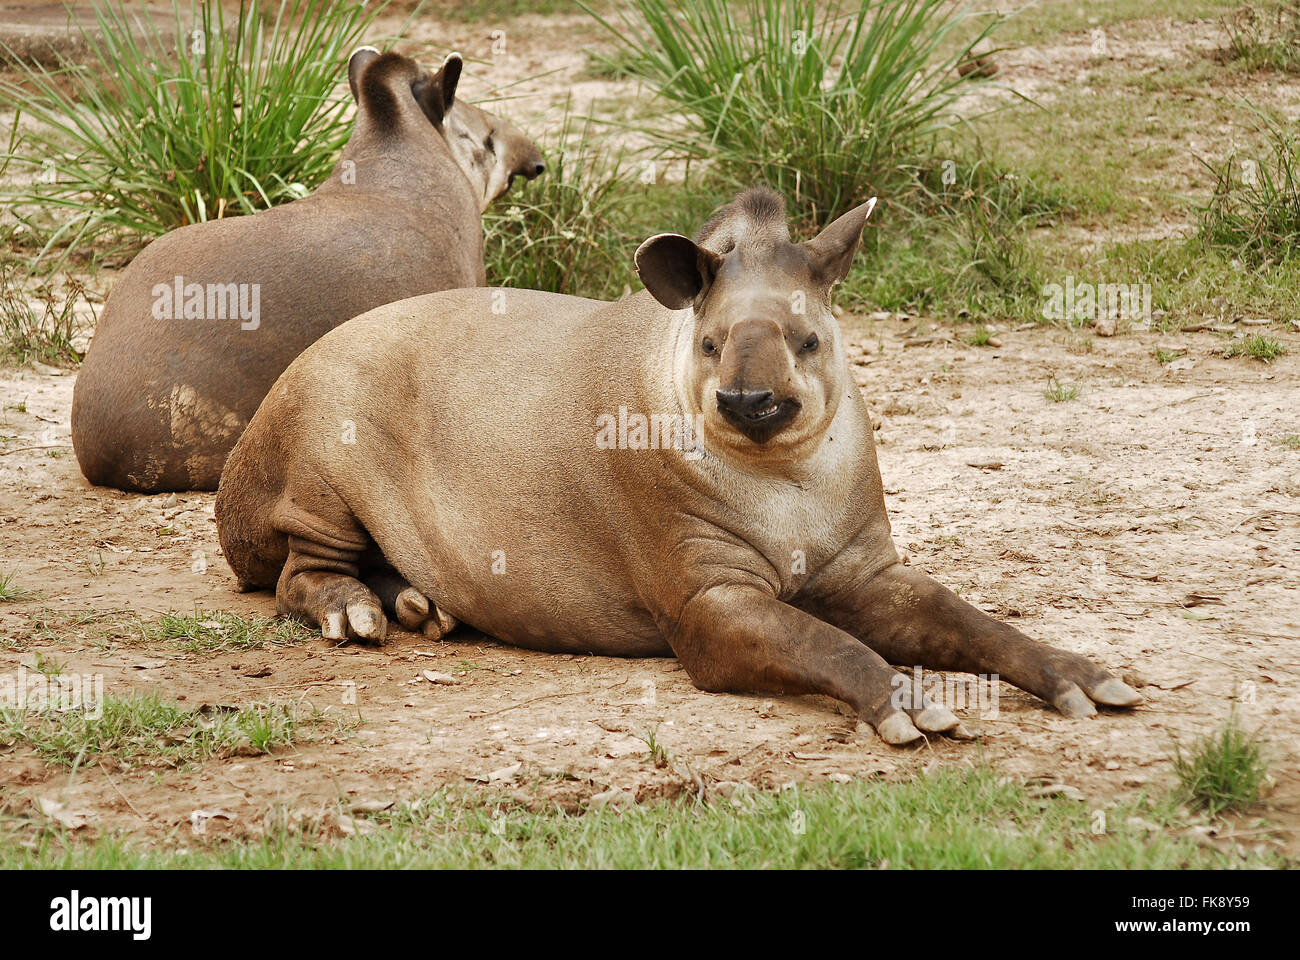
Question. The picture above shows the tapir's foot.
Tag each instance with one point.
(906, 720)
(1076, 686)
(343, 607)
(408, 606)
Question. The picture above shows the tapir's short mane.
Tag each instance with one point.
(757, 216)
(379, 89)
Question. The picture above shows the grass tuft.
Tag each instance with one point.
(10, 591)
(1223, 770)
(144, 728)
(1258, 347)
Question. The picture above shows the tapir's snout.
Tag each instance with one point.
(758, 414)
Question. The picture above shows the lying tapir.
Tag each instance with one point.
(207, 316)
(689, 471)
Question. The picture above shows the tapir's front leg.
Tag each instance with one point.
(738, 638)
(909, 619)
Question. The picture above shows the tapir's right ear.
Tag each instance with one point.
(358, 62)
(675, 269)
(436, 96)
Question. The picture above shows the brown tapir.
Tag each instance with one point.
(207, 316)
(688, 471)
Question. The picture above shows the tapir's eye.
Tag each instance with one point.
(490, 144)
(708, 347)
(811, 344)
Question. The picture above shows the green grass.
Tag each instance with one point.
(1254, 211)
(1167, 356)
(952, 819)
(1257, 347)
(1223, 770)
(1264, 37)
(156, 127)
(210, 632)
(763, 96)
(143, 728)
(11, 591)
(563, 232)
(1058, 392)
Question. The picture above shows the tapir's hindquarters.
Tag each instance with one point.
(255, 550)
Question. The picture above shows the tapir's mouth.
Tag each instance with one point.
(762, 424)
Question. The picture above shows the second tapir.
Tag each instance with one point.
(205, 318)
(688, 471)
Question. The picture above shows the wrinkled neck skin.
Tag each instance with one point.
(798, 459)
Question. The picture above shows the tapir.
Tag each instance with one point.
(206, 317)
(688, 471)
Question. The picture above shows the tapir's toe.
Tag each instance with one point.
(1113, 692)
(898, 729)
(439, 624)
(936, 719)
(1074, 703)
(411, 608)
(367, 621)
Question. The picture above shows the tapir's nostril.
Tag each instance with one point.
(538, 169)
(746, 403)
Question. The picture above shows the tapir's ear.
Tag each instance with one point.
(831, 251)
(358, 62)
(436, 95)
(675, 270)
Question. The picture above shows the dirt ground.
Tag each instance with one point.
(1153, 523)
(1110, 519)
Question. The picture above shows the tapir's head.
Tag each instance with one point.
(766, 368)
(488, 150)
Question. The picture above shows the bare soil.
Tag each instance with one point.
(1100, 524)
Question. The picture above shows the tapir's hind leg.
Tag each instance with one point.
(909, 619)
(407, 605)
(320, 584)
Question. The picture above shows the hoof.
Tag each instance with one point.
(1074, 704)
(897, 729)
(1115, 693)
(412, 608)
(367, 621)
(439, 624)
(334, 627)
(960, 732)
(936, 719)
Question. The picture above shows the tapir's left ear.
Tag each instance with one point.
(831, 251)
(675, 269)
(360, 59)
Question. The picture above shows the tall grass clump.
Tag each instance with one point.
(1254, 211)
(171, 121)
(825, 102)
(1222, 770)
(1261, 38)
